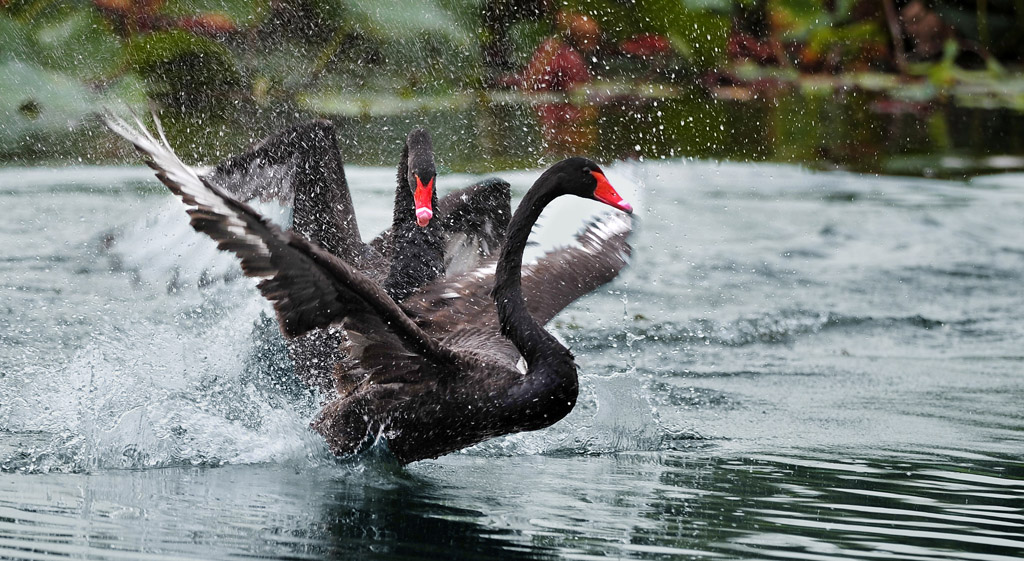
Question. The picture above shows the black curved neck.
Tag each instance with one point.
(417, 254)
(529, 337)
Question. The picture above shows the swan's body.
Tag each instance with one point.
(430, 380)
(427, 406)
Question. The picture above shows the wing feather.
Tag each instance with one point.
(461, 312)
(308, 287)
(474, 220)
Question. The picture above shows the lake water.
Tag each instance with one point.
(797, 365)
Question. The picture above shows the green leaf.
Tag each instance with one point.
(408, 19)
(182, 69)
(80, 43)
(36, 100)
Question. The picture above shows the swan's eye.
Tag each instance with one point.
(586, 170)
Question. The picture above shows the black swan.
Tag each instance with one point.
(427, 387)
(451, 380)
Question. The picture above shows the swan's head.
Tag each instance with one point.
(421, 174)
(584, 178)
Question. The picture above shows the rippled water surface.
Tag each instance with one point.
(797, 365)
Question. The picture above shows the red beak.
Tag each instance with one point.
(607, 195)
(422, 197)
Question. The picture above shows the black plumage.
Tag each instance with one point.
(428, 379)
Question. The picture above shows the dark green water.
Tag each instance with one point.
(799, 365)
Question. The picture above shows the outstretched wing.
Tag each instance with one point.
(564, 275)
(299, 167)
(249, 176)
(308, 287)
(474, 220)
(462, 308)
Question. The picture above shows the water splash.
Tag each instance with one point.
(613, 413)
(174, 377)
(155, 396)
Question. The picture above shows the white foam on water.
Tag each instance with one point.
(152, 394)
(163, 248)
(613, 413)
(169, 379)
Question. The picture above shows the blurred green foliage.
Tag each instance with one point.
(170, 59)
(208, 63)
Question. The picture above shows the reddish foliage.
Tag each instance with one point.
(208, 24)
(742, 46)
(555, 66)
(114, 5)
(646, 44)
(567, 128)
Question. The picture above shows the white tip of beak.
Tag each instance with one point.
(423, 216)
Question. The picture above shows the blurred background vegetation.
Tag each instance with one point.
(929, 87)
